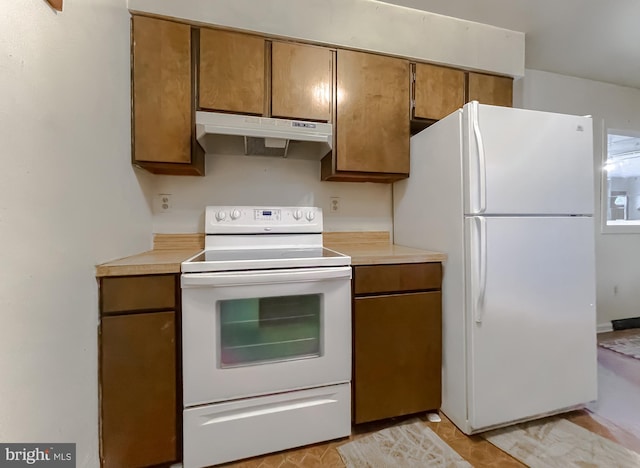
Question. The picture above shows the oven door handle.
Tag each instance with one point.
(243, 278)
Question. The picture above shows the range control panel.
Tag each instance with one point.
(262, 219)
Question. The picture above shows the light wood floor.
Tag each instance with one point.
(615, 416)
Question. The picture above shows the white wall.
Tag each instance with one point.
(258, 180)
(617, 255)
(69, 199)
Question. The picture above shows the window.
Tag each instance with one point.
(621, 182)
(269, 329)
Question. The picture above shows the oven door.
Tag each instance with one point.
(249, 333)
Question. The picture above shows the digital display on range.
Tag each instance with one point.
(266, 215)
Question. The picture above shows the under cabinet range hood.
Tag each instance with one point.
(262, 136)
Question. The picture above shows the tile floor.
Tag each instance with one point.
(615, 371)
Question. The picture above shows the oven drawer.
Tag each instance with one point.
(239, 429)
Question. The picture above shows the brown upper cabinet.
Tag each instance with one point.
(373, 101)
(232, 72)
(247, 74)
(438, 91)
(490, 89)
(162, 98)
(301, 81)
(372, 119)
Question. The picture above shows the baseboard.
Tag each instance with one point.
(604, 327)
(624, 324)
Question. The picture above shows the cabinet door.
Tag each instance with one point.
(489, 89)
(397, 355)
(232, 76)
(438, 91)
(372, 113)
(161, 91)
(301, 81)
(138, 389)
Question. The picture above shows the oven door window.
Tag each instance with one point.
(261, 330)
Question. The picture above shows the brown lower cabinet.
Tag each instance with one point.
(396, 351)
(139, 381)
(397, 340)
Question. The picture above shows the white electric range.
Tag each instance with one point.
(266, 335)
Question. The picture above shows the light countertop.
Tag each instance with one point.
(381, 253)
(152, 262)
(363, 248)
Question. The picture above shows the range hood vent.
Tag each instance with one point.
(262, 136)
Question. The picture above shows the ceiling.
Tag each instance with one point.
(593, 39)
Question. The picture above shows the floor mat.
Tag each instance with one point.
(406, 446)
(629, 345)
(554, 442)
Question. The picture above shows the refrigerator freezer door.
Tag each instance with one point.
(527, 162)
(530, 317)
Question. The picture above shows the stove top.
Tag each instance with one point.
(261, 259)
(259, 238)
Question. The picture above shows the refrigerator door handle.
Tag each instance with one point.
(481, 223)
(482, 172)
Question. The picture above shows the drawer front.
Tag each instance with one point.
(130, 293)
(234, 430)
(396, 278)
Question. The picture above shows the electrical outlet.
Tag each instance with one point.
(334, 206)
(164, 202)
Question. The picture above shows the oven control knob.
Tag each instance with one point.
(297, 214)
(311, 215)
(235, 214)
(221, 216)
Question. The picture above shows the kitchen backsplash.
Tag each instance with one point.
(258, 180)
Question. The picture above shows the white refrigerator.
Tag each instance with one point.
(508, 195)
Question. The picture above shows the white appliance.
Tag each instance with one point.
(223, 133)
(508, 195)
(266, 336)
